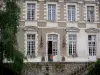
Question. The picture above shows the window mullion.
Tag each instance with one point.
(72, 47)
(71, 14)
(51, 12)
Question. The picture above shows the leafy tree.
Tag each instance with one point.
(94, 69)
(9, 22)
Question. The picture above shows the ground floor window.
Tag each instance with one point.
(92, 45)
(72, 44)
(31, 45)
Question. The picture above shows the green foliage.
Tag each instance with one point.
(9, 22)
(94, 69)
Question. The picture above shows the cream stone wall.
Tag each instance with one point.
(81, 12)
(82, 25)
(61, 11)
(41, 10)
(44, 27)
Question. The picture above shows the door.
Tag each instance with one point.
(55, 50)
(92, 47)
(50, 58)
(52, 47)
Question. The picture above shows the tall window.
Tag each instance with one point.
(71, 13)
(92, 45)
(54, 39)
(52, 12)
(31, 45)
(72, 44)
(90, 14)
(30, 11)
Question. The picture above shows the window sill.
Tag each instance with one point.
(31, 20)
(90, 22)
(51, 20)
(31, 57)
(71, 21)
(71, 56)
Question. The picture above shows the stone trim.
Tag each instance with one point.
(36, 42)
(78, 14)
(76, 10)
(65, 14)
(92, 30)
(72, 29)
(97, 13)
(36, 10)
(67, 41)
(58, 44)
(30, 28)
(61, 0)
(56, 10)
(85, 11)
(45, 12)
(23, 11)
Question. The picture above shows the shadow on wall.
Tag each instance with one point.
(6, 71)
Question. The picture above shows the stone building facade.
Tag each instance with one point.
(59, 30)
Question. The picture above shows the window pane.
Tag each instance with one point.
(52, 12)
(71, 13)
(31, 45)
(89, 37)
(54, 46)
(90, 14)
(54, 38)
(92, 45)
(72, 44)
(30, 11)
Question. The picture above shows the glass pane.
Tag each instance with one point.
(51, 11)
(90, 14)
(72, 44)
(71, 13)
(30, 45)
(30, 11)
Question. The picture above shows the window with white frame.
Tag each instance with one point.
(31, 11)
(92, 45)
(52, 12)
(31, 45)
(71, 13)
(72, 44)
(90, 14)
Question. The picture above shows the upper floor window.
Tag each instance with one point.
(71, 13)
(31, 45)
(30, 11)
(90, 14)
(52, 12)
(92, 45)
(72, 44)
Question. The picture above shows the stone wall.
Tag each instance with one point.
(54, 68)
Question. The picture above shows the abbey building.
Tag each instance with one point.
(60, 30)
